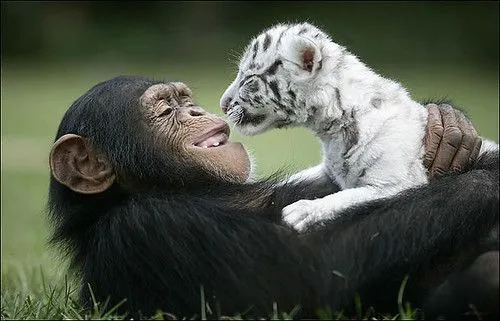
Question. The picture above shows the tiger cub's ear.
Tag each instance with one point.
(302, 52)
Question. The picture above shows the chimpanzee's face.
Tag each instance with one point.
(192, 134)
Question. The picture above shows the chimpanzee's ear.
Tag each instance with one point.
(75, 164)
(301, 51)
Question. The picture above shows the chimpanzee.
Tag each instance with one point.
(153, 204)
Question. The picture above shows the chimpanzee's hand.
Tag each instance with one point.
(451, 142)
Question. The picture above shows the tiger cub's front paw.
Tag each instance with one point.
(302, 213)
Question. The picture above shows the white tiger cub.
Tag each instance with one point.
(370, 129)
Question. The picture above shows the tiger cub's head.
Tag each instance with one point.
(279, 79)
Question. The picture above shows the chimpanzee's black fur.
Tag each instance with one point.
(157, 246)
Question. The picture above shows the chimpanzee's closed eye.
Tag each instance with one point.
(166, 112)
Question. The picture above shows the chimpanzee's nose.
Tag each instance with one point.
(225, 104)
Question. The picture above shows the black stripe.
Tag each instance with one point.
(267, 42)
(376, 102)
(251, 119)
(244, 80)
(255, 49)
(292, 94)
(348, 153)
(337, 97)
(274, 67)
(345, 168)
(253, 86)
(274, 87)
(351, 136)
(303, 30)
(328, 125)
(282, 106)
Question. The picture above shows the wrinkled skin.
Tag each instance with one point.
(175, 119)
(452, 143)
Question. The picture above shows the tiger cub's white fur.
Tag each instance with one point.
(370, 129)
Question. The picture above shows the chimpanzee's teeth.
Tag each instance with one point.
(216, 140)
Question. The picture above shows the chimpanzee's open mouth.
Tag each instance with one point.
(215, 137)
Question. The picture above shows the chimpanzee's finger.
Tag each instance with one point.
(450, 143)
(474, 136)
(461, 161)
(433, 134)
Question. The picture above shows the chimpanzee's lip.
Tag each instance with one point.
(214, 137)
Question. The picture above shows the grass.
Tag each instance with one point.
(34, 98)
(36, 298)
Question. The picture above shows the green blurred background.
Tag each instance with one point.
(52, 52)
